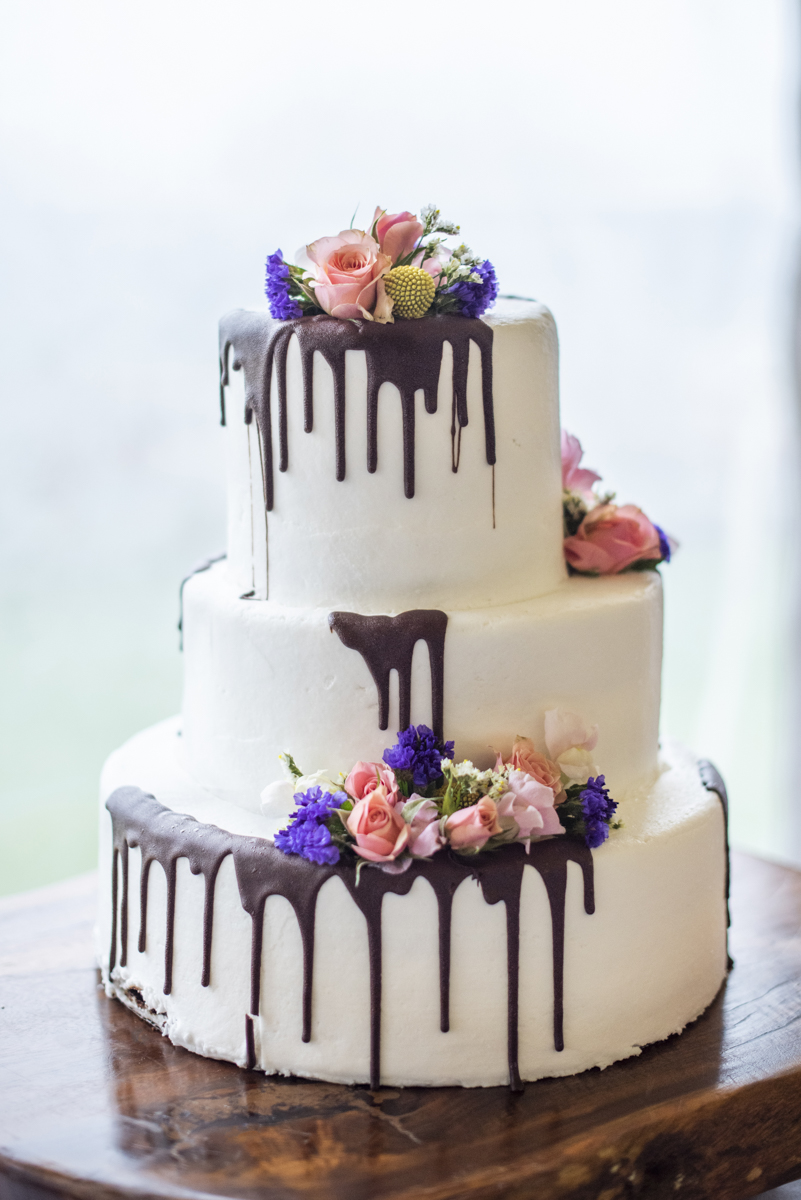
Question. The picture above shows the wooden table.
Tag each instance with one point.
(94, 1103)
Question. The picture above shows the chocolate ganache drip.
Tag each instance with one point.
(407, 353)
(164, 836)
(712, 781)
(387, 644)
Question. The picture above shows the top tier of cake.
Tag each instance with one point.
(347, 490)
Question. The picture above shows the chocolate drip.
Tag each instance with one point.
(386, 644)
(225, 352)
(368, 894)
(163, 836)
(124, 910)
(444, 912)
(250, 1044)
(209, 885)
(112, 954)
(407, 354)
(205, 565)
(170, 870)
(263, 871)
(501, 879)
(712, 781)
(143, 882)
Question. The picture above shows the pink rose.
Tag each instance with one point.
(346, 272)
(611, 538)
(379, 829)
(525, 758)
(397, 233)
(473, 826)
(531, 804)
(424, 836)
(576, 478)
(367, 776)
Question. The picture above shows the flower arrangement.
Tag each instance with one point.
(602, 538)
(401, 268)
(418, 801)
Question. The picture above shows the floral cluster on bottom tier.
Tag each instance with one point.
(418, 801)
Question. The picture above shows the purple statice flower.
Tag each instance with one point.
(307, 833)
(419, 751)
(276, 288)
(598, 808)
(476, 298)
(664, 544)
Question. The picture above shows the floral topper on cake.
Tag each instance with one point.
(602, 538)
(400, 268)
(418, 801)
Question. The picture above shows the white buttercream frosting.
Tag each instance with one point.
(361, 543)
(261, 678)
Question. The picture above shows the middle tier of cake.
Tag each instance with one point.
(261, 679)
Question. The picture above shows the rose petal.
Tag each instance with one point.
(563, 730)
(378, 849)
(384, 304)
(330, 296)
(400, 239)
(550, 822)
(349, 312)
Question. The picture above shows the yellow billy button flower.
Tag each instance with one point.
(412, 290)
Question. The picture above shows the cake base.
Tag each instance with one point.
(642, 966)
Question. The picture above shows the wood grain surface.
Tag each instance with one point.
(94, 1103)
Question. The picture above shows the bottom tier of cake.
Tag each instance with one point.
(458, 972)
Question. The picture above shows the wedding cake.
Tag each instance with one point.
(414, 825)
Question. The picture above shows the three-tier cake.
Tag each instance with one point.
(396, 562)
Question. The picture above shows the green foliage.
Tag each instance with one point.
(465, 786)
(302, 291)
(574, 510)
(570, 812)
(294, 769)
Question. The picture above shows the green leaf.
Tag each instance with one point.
(294, 769)
(645, 564)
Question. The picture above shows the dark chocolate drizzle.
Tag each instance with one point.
(712, 781)
(261, 871)
(407, 354)
(205, 565)
(250, 1044)
(387, 644)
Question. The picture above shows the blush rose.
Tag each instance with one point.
(531, 804)
(397, 233)
(612, 538)
(366, 777)
(575, 478)
(525, 758)
(347, 270)
(379, 829)
(472, 827)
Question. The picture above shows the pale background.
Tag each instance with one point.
(631, 164)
